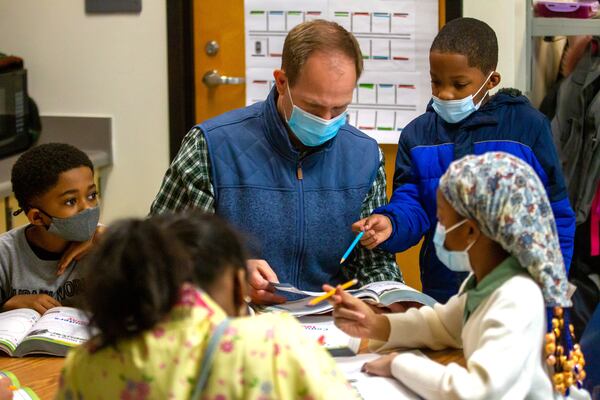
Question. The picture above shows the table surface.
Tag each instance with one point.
(41, 373)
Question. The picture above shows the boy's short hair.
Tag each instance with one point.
(37, 170)
(472, 38)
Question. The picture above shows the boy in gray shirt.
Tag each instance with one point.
(54, 185)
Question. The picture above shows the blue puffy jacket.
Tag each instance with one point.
(426, 148)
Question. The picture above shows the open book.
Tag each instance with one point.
(19, 393)
(382, 293)
(25, 331)
(322, 329)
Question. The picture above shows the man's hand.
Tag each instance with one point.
(354, 317)
(380, 367)
(77, 250)
(259, 276)
(38, 302)
(377, 229)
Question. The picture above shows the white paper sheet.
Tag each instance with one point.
(386, 120)
(322, 330)
(277, 21)
(367, 93)
(259, 82)
(344, 18)
(386, 93)
(63, 324)
(394, 37)
(380, 26)
(15, 324)
(268, 21)
(384, 103)
(294, 18)
(381, 22)
(289, 288)
(372, 387)
(22, 394)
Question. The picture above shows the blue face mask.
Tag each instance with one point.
(312, 130)
(454, 111)
(457, 261)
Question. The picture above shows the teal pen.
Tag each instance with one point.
(347, 253)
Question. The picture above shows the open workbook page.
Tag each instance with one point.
(25, 331)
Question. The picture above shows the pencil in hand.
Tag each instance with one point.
(352, 246)
(327, 295)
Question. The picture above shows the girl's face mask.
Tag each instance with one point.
(457, 261)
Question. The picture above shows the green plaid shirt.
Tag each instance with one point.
(187, 185)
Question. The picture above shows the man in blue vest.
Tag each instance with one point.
(289, 172)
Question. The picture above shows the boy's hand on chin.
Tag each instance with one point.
(38, 302)
(77, 250)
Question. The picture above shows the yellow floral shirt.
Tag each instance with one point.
(259, 357)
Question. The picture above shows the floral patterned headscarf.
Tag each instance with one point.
(508, 201)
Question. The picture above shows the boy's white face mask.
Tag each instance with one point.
(453, 111)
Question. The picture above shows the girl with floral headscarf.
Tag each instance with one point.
(495, 221)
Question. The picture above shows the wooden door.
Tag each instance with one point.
(223, 21)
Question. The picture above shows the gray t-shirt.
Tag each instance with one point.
(23, 272)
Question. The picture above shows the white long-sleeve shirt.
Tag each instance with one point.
(502, 342)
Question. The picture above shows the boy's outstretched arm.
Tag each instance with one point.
(408, 221)
(369, 264)
(550, 172)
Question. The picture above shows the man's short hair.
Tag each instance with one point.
(318, 35)
(37, 170)
(473, 39)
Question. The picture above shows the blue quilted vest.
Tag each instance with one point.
(295, 212)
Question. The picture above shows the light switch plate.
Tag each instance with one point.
(113, 6)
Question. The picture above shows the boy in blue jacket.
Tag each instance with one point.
(462, 119)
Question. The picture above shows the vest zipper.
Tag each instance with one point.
(300, 251)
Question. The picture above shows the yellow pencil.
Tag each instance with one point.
(327, 295)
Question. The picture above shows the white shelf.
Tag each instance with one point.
(564, 26)
(538, 27)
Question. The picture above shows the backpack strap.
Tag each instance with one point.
(207, 360)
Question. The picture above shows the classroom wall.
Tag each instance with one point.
(507, 18)
(106, 65)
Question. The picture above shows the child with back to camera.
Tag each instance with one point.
(169, 292)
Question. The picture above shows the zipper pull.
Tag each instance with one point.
(299, 172)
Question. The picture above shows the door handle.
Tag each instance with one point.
(214, 79)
